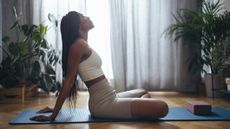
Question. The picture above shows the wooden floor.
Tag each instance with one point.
(9, 111)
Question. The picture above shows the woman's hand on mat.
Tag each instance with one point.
(42, 118)
(45, 110)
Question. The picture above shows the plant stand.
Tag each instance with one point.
(31, 91)
(213, 85)
(13, 95)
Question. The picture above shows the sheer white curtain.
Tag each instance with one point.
(7, 19)
(141, 55)
(98, 13)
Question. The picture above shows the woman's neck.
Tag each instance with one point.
(84, 35)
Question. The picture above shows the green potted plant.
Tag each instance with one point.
(29, 59)
(202, 32)
(221, 59)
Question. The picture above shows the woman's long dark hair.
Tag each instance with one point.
(70, 26)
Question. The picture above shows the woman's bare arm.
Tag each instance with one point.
(77, 50)
(75, 54)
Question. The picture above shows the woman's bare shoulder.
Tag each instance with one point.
(79, 46)
(80, 43)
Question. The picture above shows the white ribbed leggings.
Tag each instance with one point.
(104, 102)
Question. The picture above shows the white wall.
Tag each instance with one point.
(227, 4)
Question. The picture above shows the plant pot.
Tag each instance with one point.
(13, 95)
(31, 91)
(227, 81)
(228, 87)
(212, 85)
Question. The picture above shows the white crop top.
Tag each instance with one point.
(91, 67)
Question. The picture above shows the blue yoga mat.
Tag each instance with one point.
(82, 115)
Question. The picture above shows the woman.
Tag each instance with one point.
(79, 58)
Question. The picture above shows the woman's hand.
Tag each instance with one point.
(42, 118)
(45, 110)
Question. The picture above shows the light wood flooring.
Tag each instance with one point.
(9, 111)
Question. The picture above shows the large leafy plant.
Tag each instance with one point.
(203, 32)
(221, 57)
(28, 59)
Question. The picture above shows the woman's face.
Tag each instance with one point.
(85, 23)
